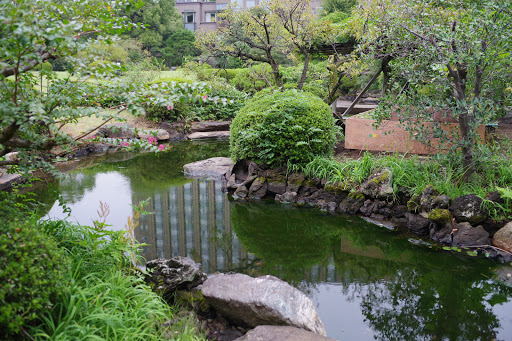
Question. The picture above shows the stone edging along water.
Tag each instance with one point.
(459, 224)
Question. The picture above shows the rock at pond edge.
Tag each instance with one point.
(265, 300)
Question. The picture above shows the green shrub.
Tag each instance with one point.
(218, 111)
(277, 128)
(251, 81)
(32, 274)
(178, 112)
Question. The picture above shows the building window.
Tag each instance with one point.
(237, 3)
(220, 7)
(211, 16)
(250, 3)
(189, 17)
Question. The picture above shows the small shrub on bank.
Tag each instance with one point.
(32, 275)
(280, 127)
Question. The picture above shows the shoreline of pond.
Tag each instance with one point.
(459, 224)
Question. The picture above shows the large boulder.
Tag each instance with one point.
(281, 333)
(166, 276)
(469, 208)
(379, 185)
(503, 238)
(466, 235)
(213, 168)
(265, 300)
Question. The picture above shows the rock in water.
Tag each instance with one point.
(213, 168)
(178, 273)
(281, 333)
(265, 300)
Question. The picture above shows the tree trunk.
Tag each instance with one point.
(386, 70)
(305, 69)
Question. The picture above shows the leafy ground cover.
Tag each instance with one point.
(81, 283)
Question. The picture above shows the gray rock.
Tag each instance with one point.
(469, 208)
(428, 198)
(258, 188)
(295, 180)
(241, 192)
(503, 238)
(160, 134)
(287, 197)
(352, 203)
(467, 235)
(243, 170)
(277, 187)
(168, 275)
(379, 185)
(117, 130)
(417, 224)
(442, 202)
(231, 182)
(442, 235)
(276, 179)
(7, 180)
(281, 333)
(209, 135)
(213, 168)
(176, 130)
(264, 300)
(209, 126)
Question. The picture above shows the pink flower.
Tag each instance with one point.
(152, 140)
(125, 144)
(161, 147)
(170, 107)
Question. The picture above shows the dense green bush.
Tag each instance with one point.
(280, 127)
(252, 81)
(217, 110)
(32, 274)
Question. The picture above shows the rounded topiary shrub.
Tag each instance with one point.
(32, 274)
(277, 127)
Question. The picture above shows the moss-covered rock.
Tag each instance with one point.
(336, 187)
(440, 216)
(413, 205)
(379, 185)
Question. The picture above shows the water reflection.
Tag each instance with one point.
(192, 220)
(367, 282)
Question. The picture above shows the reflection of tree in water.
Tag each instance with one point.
(288, 242)
(430, 297)
(407, 292)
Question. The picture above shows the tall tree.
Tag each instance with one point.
(31, 117)
(459, 49)
(262, 33)
(159, 18)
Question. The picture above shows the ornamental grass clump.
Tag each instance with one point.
(283, 127)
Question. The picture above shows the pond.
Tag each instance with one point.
(366, 282)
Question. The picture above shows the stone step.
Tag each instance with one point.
(209, 135)
(341, 106)
(210, 126)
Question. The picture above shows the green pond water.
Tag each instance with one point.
(366, 282)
